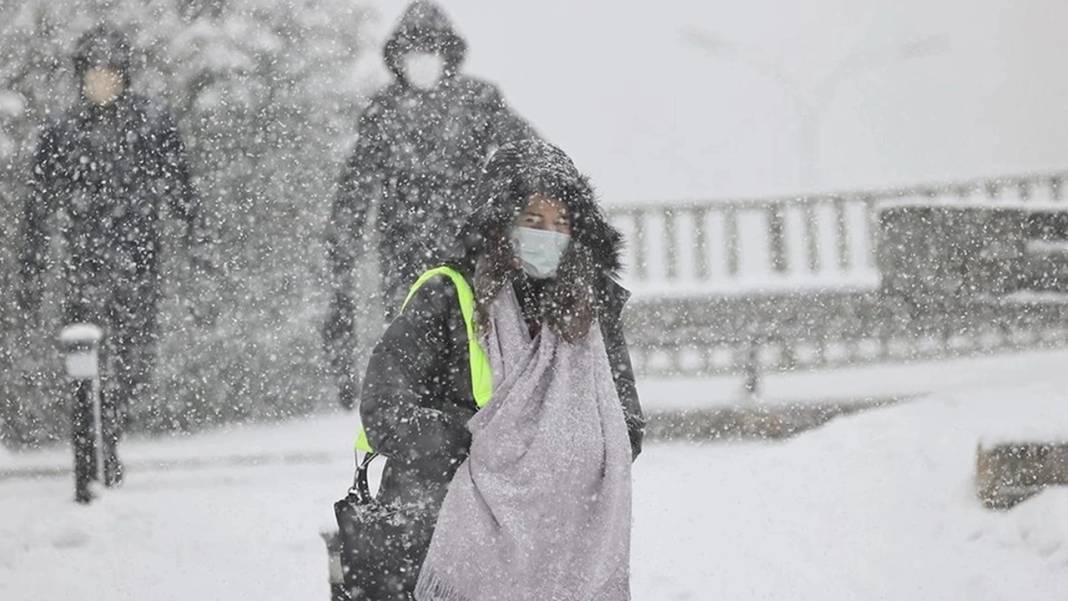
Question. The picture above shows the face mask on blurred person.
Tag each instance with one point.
(102, 85)
(539, 251)
(424, 69)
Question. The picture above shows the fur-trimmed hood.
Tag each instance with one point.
(424, 27)
(518, 171)
(584, 286)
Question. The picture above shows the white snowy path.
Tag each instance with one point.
(876, 506)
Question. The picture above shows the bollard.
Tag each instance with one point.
(336, 574)
(751, 370)
(1011, 472)
(81, 344)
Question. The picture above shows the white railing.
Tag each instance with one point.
(753, 247)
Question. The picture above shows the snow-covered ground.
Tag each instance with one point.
(875, 506)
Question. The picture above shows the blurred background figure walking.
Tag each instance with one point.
(422, 143)
(110, 166)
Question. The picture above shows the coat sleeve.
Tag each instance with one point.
(409, 364)
(182, 196)
(622, 370)
(48, 182)
(360, 184)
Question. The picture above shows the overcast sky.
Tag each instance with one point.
(678, 99)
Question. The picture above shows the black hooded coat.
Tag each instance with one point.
(417, 161)
(111, 174)
(417, 394)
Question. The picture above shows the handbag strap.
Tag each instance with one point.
(359, 482)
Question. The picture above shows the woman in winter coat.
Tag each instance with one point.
(538, 479)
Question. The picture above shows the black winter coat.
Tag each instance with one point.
(113, 173)
(417, 394)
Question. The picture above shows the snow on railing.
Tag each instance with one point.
(744, 247)
(827, 242)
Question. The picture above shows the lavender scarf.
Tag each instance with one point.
(540, 511)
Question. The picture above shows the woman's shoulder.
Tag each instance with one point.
(432, 308)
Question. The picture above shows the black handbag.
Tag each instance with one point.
(382, 545)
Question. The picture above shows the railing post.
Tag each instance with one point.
(671, 244)
(700, 234)
(872, 234)
(1024, 189)
(777, 238)
(640, 268)
(730, 227)
(812, 237)
(841, 219)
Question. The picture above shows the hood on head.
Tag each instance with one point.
(102, 46)
(424, 28)
(518, 171)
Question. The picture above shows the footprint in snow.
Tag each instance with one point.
(70, 539)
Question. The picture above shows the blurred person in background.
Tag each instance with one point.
(422, 143)
(106, 170)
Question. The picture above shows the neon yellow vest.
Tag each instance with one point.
(481, 374)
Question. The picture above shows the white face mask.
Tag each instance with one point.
(540, 251)
(424, 70)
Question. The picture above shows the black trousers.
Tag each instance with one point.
(125, 308)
